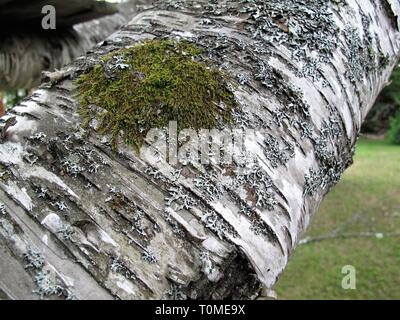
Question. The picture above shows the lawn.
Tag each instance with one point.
(366, 200)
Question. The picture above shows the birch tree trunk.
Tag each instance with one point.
(81, 220)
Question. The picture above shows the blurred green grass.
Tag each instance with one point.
(366, 200)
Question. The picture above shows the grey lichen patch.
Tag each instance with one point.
(313, 181)
(5, 173)
(179, 199)
(209, 185)
(66, 232)
(47, 282)
(47, 285)
(175, 292)
(133, 220)
(276, 153)
(34, 259)
(285, 92)
(176, 228)
(118, 266)
(332, 163)
(258, 186)
(148, 256)
(152, 83)
(38, 137)
(137, 224)
(383, 60)
(73, 158)
(359, 53)
(323, 178)
(208, 267)
(304, 27)
(219, 226)
(363, 51)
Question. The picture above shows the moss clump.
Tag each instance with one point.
(152, 83)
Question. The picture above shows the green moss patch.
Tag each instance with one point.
(150, 84)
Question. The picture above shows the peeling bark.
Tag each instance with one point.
(81, 220)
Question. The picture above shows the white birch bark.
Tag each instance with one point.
(110, 225)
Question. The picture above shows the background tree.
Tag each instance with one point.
(26, 49)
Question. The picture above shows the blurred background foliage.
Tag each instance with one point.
(384, 118)
(11, 98)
